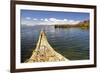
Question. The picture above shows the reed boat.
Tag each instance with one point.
(44, 52)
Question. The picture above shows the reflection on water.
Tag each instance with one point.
(73, 43)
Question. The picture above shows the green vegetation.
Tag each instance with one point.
(84, 24)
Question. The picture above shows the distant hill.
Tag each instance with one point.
(83, 24)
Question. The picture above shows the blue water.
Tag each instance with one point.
(73, 43)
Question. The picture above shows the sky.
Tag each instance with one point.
(36, 17)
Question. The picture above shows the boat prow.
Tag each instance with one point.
(44, 52)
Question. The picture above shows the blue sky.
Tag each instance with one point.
(35, 16)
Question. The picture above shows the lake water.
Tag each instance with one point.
(73, 43)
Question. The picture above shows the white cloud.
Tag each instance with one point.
(65, 20)
(72, 22)
(35, 19)
(48, 21)
(28, 18)
(41, 19)
(52, 19)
